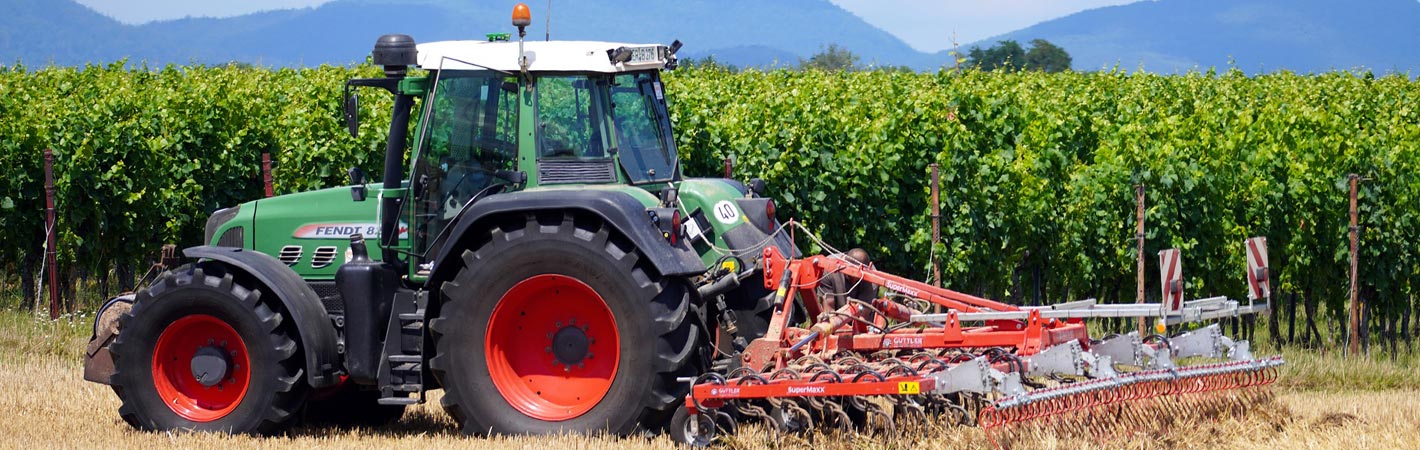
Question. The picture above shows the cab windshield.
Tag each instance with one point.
(469, 143)
(599, 116)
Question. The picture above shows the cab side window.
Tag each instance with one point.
(569, 120)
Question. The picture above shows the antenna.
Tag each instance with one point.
(548, 27)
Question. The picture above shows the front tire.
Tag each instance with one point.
(201, 351)
(558, 324)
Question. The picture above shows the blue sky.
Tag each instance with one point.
(927, 25)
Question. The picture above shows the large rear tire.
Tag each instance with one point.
(201, 351)
(558, 324)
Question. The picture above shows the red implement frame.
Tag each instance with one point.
(714, 394)
(798, 278)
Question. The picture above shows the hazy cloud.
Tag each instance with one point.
(140, 11)
(927, 25)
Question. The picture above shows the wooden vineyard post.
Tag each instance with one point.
(266, 173)
(1354, 346)
(1139, 238)
(936, 224)
(50, 255)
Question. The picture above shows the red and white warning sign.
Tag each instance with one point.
(1171, 280)
(1259, 279)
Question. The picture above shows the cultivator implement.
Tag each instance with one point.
(917, 354)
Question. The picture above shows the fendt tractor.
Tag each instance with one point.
(544, 262)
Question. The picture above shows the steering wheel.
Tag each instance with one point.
(468, 171)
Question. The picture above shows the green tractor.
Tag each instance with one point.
(542, 259)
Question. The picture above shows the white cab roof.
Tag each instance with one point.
(543, 56)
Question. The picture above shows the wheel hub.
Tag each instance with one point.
(570, 345)
(552, 347)
(210, 365)
(201, 367)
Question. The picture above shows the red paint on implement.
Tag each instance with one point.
(518, 347)
(172, 368)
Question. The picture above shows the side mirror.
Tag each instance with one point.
(357, 184)
(352, 111)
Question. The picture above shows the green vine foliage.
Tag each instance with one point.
(1037, 170)
(144, 155)
(1037, 173)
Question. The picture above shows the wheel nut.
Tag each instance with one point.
(549, 349)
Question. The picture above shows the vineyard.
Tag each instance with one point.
(1037, 171)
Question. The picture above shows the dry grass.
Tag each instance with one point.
(46, 403)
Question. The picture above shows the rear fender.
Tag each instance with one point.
(626, 214)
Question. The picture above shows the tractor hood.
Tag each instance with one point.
(309, 231)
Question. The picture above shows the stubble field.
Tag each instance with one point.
(44, 402)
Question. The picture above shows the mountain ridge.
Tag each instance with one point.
(1166, 36)
(1255, 36)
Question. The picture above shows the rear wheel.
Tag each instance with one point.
(201, 351)
(581, 334)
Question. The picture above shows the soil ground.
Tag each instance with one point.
(44, 402)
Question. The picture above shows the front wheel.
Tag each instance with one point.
(200, 351)
(558, 324)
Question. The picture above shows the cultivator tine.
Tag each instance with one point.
(1133, 400)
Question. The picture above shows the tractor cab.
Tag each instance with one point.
(568, 115)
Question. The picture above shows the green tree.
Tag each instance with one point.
(831, 59)
(1009, 55)
(1005, 54)
(1046, 57)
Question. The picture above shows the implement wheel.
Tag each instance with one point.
(558, 324)
(201, 351)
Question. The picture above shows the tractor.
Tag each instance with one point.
(541, 259)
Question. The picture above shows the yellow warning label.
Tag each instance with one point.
(781, 292)
(729, 265)
(909, 387)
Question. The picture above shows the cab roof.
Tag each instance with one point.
(543, 56)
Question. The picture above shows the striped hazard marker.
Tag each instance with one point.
(1258, 277)
(1171, 280)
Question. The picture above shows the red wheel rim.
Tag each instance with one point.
(173, 376)
(552, 347)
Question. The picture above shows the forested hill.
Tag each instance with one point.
(739, 32)
(1158, 36)
(1256, 36)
